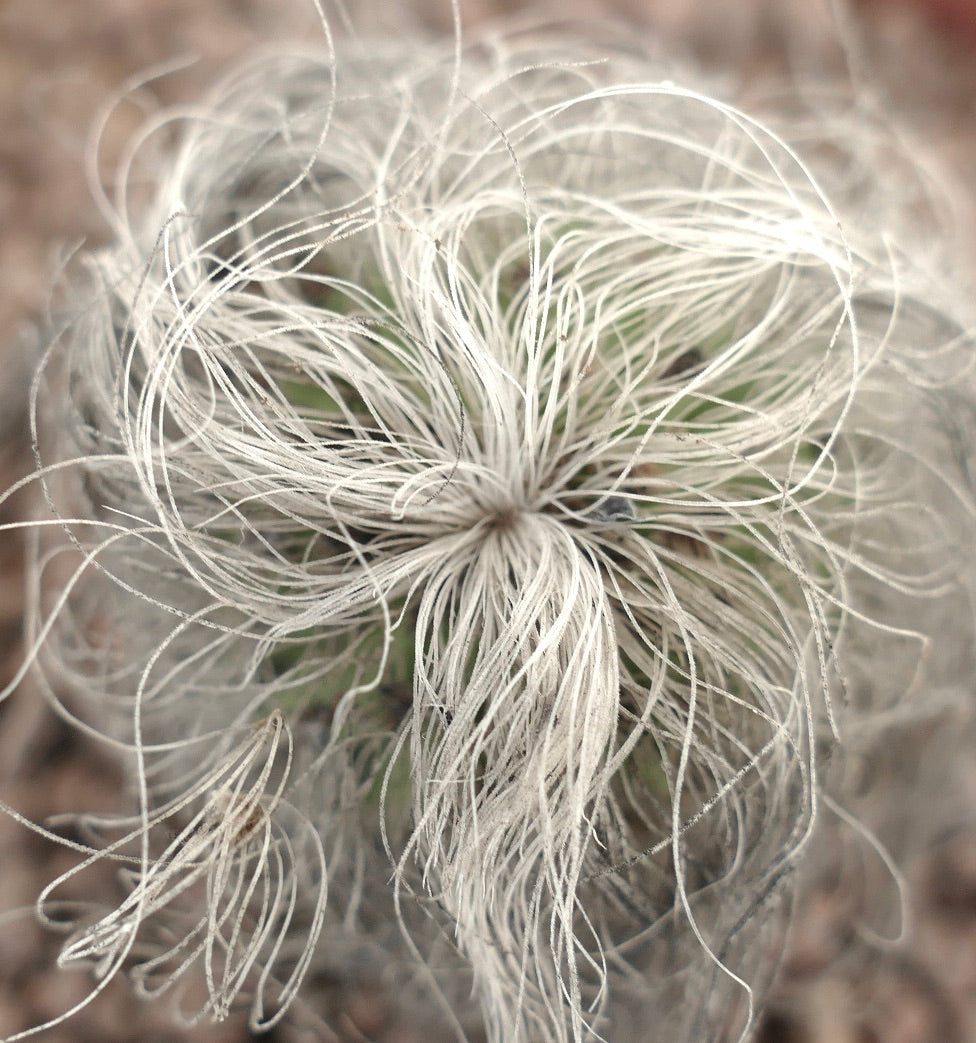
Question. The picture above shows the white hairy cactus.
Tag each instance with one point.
(490, 496)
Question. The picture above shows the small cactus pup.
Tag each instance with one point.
(488, 497)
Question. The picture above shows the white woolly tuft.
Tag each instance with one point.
(506, 436)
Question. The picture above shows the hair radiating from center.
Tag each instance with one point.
(486, 491)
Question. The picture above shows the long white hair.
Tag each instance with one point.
(488, 494)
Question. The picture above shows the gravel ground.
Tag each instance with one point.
(61, 61)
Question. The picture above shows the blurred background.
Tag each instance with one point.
(61, 63)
